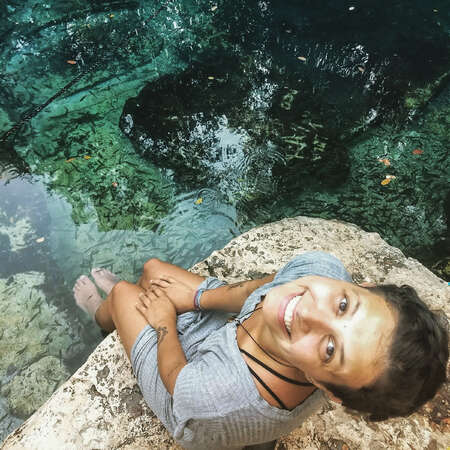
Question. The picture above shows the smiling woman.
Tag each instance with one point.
(332, 330)
(221, 383)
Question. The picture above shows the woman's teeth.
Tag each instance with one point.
(290, 311)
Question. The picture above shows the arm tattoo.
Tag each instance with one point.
(161, 333)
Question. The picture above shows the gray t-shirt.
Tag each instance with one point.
(216, 404)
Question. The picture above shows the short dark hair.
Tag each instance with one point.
(417, 360)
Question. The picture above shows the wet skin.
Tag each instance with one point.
(340, 332)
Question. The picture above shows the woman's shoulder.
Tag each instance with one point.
(313, 263)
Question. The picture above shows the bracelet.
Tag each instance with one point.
(197, 296)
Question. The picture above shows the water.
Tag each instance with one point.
(189, 128)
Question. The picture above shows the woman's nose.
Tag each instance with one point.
(311, 317)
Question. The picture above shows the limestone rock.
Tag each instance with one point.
(100, 406)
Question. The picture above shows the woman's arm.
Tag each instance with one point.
(171, 358)
(160, 313)
(232, 297)
(226, 298)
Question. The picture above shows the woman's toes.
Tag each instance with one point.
(104, 279)
(86, 295)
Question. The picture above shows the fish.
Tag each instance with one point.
(385, 161)
(417, 151)
(301, 58)
(388, 179)
(199, 201)
(87, 157)
(71, 61)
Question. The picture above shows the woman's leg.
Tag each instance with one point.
(154, 268)
(119, 311)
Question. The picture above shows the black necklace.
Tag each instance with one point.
(259, 346)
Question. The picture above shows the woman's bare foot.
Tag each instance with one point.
(104, 279)
(86, 295)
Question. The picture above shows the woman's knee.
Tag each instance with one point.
(122, 291)
(152, 268)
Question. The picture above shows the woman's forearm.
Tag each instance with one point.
(231, 297)
(171, 357)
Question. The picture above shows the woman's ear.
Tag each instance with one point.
(328, 393)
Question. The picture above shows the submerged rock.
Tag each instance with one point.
(228, 124)
(32, 329)
(29, 389)
(273, 108)
(100, 407)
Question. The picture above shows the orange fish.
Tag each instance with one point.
(417, 151)
(87, 157)
(70, 159)
(71, 61)
(388, 179)
(114, 184)
(385, 161)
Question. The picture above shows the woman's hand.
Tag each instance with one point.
(156, 307)
(180, 294)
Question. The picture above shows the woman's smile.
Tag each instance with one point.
(286, 312)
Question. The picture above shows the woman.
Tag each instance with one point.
(221, 383)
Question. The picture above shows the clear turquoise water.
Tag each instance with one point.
(188, 129)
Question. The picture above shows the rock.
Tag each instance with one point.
(100, 407)
(31, 388)
(31, 329)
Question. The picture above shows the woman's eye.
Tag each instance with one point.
(343, 305)
(329, 350)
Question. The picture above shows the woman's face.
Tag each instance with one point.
(334, 331)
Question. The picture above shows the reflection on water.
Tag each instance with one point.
(191, 127)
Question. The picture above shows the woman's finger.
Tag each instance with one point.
(140, 308)
(166, 278)
(144, 299)
(157, 291)
(161, 283)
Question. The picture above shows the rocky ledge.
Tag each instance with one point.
(101, 407)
